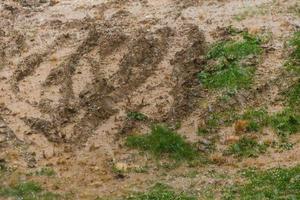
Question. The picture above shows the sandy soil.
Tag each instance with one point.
(70, 70)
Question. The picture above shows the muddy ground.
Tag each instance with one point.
(71, 70)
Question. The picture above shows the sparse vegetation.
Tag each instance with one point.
(256, 118)
(162, 141)
(247, 147)
(136, 116)
(293, 64)
(271, 184)
(252, 11)
(228, 71)
(45, 171)
(161, 192)
(216, 119)
(293, 97)
(286, 122)
(295, 9)
(27, 191)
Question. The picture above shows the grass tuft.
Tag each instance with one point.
(247, 147)
(257, 119)
(163, 141)
(236, 50)
(231, 77)
(27, 191)
(160, 192)
(137, 116)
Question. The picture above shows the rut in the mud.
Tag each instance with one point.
(99, 97)
(187, 64)
(136, 66)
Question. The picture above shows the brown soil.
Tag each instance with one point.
(71, 70)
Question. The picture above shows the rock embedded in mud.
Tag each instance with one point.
(48, 153)
(122, 167)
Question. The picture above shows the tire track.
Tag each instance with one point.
(145, 53)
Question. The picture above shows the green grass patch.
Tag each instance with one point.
(161, 192)
(231, 77)
(246, 147)
(162, 141)
(235, 50)
(228, 70)
(286, 122)
(273, 184)
(27, 191)
(137, 116)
